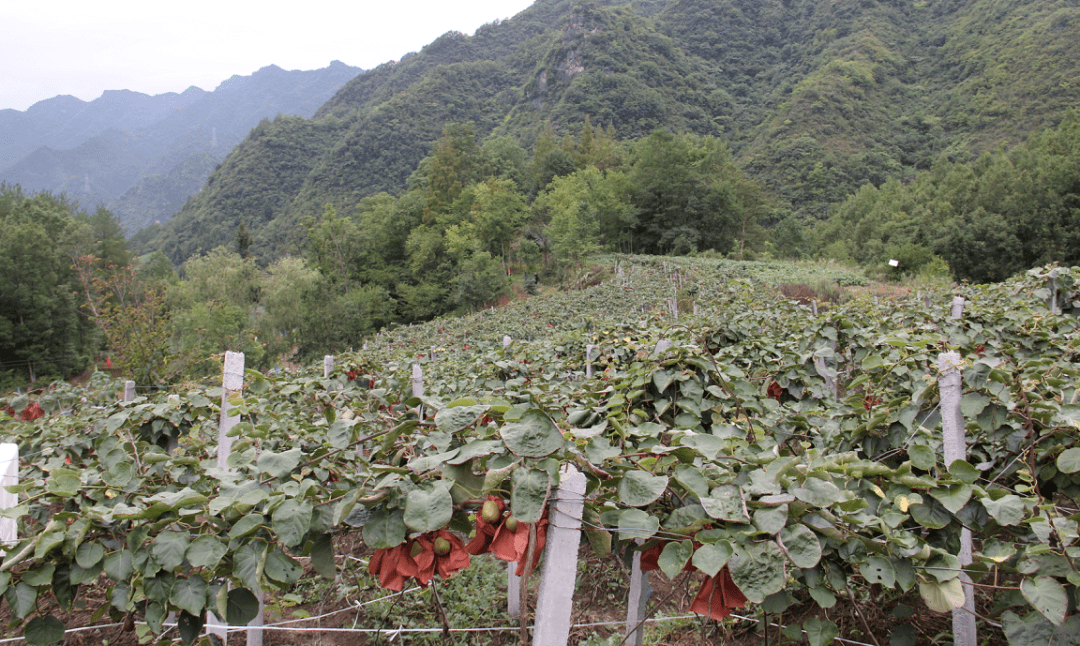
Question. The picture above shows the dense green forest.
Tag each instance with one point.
(814, 101)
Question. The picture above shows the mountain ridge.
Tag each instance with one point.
(96, 151)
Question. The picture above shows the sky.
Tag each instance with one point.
(54, 47)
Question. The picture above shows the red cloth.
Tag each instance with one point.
(505, 544)
(718, 596)
(393, 565)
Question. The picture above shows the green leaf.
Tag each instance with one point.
(1068, 461)
(64, 482)
(692, 479)
(291, 521)
(820, 633)
(533, 436)
(1047, 596)
(529, 494)
(189, 626)
(277, 465)
(639, 488)
(1007, 510)
(248, 562)
(878, 570)
(385, 528)
(340, 433)
(1035, 630)
(635, 523)
(322, 556)
(819, 493)
(972, 404)
(189, 594)
(707, 445)
(428, 509)
(42, 575)
(726, 503)
(674, 556)
(452, 420)
(206, 551)
(116, 420)
(963, 471)
(282, 568)
(710, 558)
(943, 566)
(44, 630)
(662, 379)
(169, 548)
(942, 596)
(89, 554)
(802, 545)
(771, 520)
(118, 565)
(241, 607)
(20, 598)
(758, 570)
(476, 449)
(246, 525)
(922, 456)
(823, 597)
(186, 497)
(932, 514)
(954, 497)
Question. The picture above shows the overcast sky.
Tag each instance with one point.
(53, 47)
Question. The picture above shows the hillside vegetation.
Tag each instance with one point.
(813, 99)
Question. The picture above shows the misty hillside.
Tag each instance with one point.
(99, 152)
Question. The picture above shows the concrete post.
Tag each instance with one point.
(640, 591)
(559, 571)
(957, 307)
(954, 447)
(513, 590)
(9, 476)
(232, 381)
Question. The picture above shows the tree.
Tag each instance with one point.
(41, 331)
(454, 165)
(215, 306)
(689, 195)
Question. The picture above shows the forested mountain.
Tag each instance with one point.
(98, 152)
(815, 99)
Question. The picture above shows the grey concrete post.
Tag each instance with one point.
(954, 447)
(640, 591)
(327, 365)
(559, 571)
(513, 590)
(417, 380)
(1052, 301)
(129, 391)
(9, 477)
(588, 360)
(957, 307)
(232, 381)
